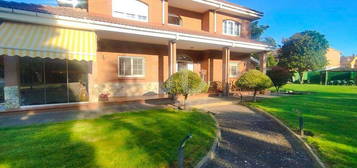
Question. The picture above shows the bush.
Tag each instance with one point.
(216, 86)
(254, 80)
(279, 76)
(185, 82)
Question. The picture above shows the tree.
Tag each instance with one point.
(303, 52)
(272, 58)
(271, 41)
(254, 80)
(257, 30)
(185, 82)
(279, 76)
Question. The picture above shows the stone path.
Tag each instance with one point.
(251, 140)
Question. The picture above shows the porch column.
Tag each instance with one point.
(172, 57)
(263, 62)
(225, 62)
(12, 82)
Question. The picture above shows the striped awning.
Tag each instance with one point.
(18, 39)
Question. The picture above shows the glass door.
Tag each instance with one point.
(32, 84)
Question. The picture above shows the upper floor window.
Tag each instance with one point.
(174, 20)
(131, 66)
(231, 28)
(130, 9)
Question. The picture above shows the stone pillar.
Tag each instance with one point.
(172, 57)
(12, 82)
(263, 62)
(225, 66)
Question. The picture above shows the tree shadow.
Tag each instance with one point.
(44, 146)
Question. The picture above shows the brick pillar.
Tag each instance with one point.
(263, 62)
(12, 82)
(225, 62)
(172, 57)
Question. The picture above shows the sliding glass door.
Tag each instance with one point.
(52, 81)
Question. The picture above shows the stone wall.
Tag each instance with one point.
(123, 89)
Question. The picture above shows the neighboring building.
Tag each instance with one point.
(349, 62)
(334, 58)
(127, 48)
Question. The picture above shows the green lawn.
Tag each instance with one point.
(330, 113)
(146, 139)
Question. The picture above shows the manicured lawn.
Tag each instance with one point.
(146, 139)
(330, 113)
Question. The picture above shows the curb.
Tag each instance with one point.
(302, 142)
(211, 153)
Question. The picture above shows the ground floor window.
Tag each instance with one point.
(51, 81)
(131, 66)
(233, 70)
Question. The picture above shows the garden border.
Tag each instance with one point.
(302, 142)
(211, 153)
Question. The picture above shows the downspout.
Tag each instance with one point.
(163, 12)
(215, 17)
(215, 20)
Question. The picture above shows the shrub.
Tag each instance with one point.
(216, 86)
(185, 82)
(279, 76)
(254, 80)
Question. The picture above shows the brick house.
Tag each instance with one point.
(61, 55)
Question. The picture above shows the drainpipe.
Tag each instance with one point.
(163, 12)
(215, 20)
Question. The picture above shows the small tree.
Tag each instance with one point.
(303, 52)
(279, 76)
(254, 80)
(185, 82)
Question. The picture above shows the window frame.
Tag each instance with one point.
(230, 69)
(174, 15)
(236, 26)
(132, 67)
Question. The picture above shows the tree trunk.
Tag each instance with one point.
(255, 96)
(301, 77)
(184, 101)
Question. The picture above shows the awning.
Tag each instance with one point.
(17, 39)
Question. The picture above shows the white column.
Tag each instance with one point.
(172, 57)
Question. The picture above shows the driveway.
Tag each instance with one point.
(251, 140)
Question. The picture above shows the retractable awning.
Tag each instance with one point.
(18, 39)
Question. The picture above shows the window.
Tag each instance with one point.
(233, 70)
(131, 66)
(174, 20)
(231, 28)
(130, 9)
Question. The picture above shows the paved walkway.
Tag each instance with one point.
(251, 140)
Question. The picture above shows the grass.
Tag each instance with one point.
(145, 139)
(330, 113)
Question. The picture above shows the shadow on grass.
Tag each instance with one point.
(137, 139)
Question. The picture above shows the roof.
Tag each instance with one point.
(234, 4)
(83, 14)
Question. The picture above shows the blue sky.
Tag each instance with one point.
(337, 19)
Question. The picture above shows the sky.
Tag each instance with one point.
(336, 19)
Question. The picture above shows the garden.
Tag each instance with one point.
(142, 139)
